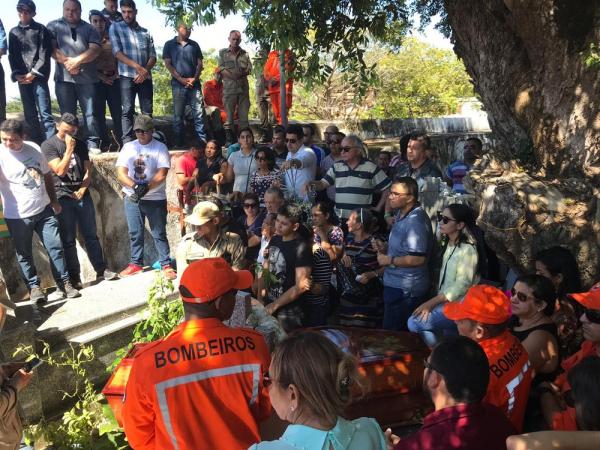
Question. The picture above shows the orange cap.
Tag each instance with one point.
(207, 279)
(590, 299)
(482, 303)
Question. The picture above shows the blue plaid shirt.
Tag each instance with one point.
(135, 42)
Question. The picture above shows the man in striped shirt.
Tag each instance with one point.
(355, 179)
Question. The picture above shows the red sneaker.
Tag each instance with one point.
(169, 272)
(131, 269)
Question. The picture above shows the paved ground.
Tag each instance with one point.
(98, 299)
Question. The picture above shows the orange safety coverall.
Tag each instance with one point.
(510, 376)
(201, 387)
(565, 420)
(213, 96)
(273, 78)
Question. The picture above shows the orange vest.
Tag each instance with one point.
(213, 93)
(510, 376)
(272, 75)
(566, 420)
(200, 387)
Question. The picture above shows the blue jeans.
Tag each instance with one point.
(156, 212)
(435, 327)
(45, 224)
(129, 90)
(183, 97)
(37, 108)
(80, 213)
(68, 94)
(111, 95)
(398, 306)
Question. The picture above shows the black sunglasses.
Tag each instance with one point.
(593, 315)
(250, 205)
(520, 295)
(291, 141)
(444, 219)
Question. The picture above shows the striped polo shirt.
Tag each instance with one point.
(354, 188)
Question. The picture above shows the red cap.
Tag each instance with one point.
(207, 279)
(590, 299)
(482, 303)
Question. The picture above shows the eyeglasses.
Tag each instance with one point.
(593, 315)
(397, 194)
(140, 131)
(445, 219)
(347, 149)
(267, 380)
(521, 296)
(249, 205)
(291, 141)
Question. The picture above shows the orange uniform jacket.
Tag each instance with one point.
(212, 92)
(201, 387)
(510, 376)
(565, 420)
(273, 78)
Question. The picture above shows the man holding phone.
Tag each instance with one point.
(71, 168)
(14, 380)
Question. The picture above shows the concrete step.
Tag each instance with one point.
(103, 309)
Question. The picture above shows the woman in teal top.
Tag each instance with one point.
(310, 380)
(458, 273)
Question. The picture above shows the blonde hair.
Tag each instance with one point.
(325, 376)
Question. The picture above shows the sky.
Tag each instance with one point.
(209, 37)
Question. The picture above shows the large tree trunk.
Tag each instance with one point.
(527, 60)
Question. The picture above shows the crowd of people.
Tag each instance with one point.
(331, 237)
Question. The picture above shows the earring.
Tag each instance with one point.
(292, 408)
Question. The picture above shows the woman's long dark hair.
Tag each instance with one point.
(560, 261)
(269, 156)
(585, 391)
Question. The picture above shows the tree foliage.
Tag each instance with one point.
(418, 80)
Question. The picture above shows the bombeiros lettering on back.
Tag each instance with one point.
(203, 349)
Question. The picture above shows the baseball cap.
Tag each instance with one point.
(26, 4)
(202, 213)
(143, 122)
(590, 299)
(207, 279)
(482, 303)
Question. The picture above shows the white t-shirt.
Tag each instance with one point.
(22, 184)
(244, 167)
(142, 162)
(295, 179)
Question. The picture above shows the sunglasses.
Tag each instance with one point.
(593, 315)
(346, 149)
(521, 296)
(444, 219)
(139, 131)
(291, 141)
(249, 205)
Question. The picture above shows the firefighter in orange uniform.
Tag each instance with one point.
(213, 94)
(482, 316)
(273, 78)
(201, 387)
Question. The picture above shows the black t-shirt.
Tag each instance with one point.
(205, 171)
(55, 148)
(284, 257)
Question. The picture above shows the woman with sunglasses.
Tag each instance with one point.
(266, 175)
(252, 221)
(532, 303)
(310, 383)
(459, 271)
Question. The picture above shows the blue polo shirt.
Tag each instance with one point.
(183, 57)
(410, 235)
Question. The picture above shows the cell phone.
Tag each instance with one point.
(32, 364)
